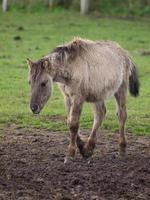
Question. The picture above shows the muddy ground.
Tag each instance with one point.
(32, 168)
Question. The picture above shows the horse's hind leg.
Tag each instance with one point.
(122, 115)
(99, 113)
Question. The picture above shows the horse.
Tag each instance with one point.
(86, 71)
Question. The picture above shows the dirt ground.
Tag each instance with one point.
(32, 168)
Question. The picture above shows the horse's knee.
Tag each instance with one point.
(122, 143)
(73, 123)
(73, 127)
(122, 114)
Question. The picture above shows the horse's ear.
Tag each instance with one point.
(29, 62)
(47, 65)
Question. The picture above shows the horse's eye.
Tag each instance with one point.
(43, 84)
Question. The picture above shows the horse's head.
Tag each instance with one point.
(41, 85)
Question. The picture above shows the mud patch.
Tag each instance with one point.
(32, 168)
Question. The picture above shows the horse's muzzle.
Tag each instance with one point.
(35, 108)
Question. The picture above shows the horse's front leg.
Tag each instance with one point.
(99, 113)
(80, 142)
(73, 123)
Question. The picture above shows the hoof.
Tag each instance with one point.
(88, 149)
(68, 159)
(70, 156)
(80, 144)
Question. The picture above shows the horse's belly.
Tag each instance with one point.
(104, 91)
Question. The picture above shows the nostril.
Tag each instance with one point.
(34, 107)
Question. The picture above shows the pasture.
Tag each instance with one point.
(32, 148)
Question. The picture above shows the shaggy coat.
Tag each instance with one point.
(87, 71)
(94, 70)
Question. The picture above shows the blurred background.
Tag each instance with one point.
(124, 8)
(32, 28)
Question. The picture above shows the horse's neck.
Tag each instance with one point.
(59, 73)
(62, 76)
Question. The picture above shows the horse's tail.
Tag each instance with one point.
(134, 84)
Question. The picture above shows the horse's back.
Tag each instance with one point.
(100, 69)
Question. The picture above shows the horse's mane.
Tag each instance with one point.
(68, 52)
(63, 54)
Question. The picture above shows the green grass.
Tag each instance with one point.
(42, 32)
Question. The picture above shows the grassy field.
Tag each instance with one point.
(24, 35)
